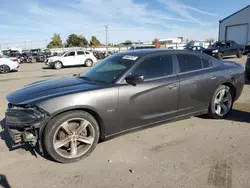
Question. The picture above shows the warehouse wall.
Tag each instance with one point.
(242, 17)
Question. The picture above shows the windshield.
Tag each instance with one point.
(218, 44)
(61, 54)
(110, 69)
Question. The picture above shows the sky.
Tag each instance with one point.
(31, 23)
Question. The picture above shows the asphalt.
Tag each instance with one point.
(196, 152)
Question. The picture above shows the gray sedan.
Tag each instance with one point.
(126, 91)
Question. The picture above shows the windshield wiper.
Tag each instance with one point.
(91, 80)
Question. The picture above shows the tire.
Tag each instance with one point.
(51, 131)
(239, 54)
(88, 63)
(215, 102)
(58, 65)
(4, 69)
(220, 56)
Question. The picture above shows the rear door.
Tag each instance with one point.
(81, 57)
(193, 85)
(154, 100)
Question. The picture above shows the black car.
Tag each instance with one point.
(221, 49)
(195, 48)
(247, 48)
(247, 66)
(126, 91)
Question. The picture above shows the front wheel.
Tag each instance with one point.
(71, 136)
(58, 65)
(239, 54)
(221, 103)
(220, 56)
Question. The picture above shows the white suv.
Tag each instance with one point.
(72, 58)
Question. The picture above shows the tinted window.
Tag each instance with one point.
(189, 62)
(155, 67)
(80, 52)
(206, 63)
(86, 52)
(71, 54)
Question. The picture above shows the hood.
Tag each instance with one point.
(45, 89)
(211, 48)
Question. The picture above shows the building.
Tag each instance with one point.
(236, 27)
(177, 40)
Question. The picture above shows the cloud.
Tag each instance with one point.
(184, 10)
(125, 19)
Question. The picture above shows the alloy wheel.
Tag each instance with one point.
(4, 69)
(223, 102)
(88, 63)
(74, 138)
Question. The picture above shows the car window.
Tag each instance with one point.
(198, 48)
(80, 53)
(87, 53)
(155, 67)
(189, 62)
(70, 54)
(206, 63)
(110, 69)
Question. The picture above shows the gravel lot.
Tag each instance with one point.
(197, 152)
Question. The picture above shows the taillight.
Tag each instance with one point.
(15, 60)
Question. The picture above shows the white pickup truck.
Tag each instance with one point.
(72, 58)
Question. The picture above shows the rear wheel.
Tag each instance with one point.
(71, 136)
(239, 54)
(4, 69)
(88, 63)
(221, 103)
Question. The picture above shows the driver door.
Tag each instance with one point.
(153, 100)
(70, 59)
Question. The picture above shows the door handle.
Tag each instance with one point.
(172, 86)
(213, 77)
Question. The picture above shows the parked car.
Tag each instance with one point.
(221, 49)
(72, 58)
(124, 92)
(8, 64)
(98, 54)
(247, 66)
(247, 48)
(195, 48)
(141, 46)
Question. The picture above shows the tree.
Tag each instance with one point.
(76, 41)
(56, 41)
(94, 41)
(156, 42)
(210, 41)
(128, 42)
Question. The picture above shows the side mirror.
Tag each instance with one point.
(134, 79)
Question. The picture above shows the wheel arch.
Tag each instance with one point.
(92, 112)
(232, 88)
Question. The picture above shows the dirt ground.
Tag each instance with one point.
(197, 152)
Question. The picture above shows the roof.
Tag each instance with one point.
(234, 13)
(144, 52)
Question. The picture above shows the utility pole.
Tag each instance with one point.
(106, 32)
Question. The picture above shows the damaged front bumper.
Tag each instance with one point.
(23, 124)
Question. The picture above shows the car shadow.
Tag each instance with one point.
(4, 182)
(240, 113)
(6, 138)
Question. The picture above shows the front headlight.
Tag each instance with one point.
(215, 51)
(23, 116)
